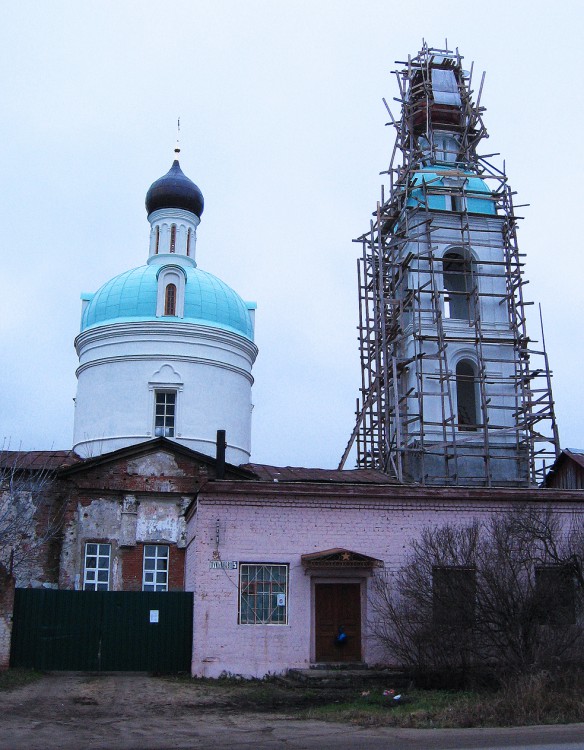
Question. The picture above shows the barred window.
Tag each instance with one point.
(263, 594)
(164, 417)
(97, 567)
(155, 568)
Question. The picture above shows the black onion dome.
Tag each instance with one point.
(175, 190)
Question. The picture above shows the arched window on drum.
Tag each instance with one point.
(170, 299)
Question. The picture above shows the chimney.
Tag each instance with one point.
(221, 445)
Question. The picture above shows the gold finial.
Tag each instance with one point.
(177, 147)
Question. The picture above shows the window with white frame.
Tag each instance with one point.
(155, 576)
(263, 594)
(164, 413)
(96, 575)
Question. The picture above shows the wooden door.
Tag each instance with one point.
(337, 605)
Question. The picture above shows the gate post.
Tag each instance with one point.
(6, 611)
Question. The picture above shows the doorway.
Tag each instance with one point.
(337, 613)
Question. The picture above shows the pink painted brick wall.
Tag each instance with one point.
(280, 529)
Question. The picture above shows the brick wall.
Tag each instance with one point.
(132, 561)
(6, 609)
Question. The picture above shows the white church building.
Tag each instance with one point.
(271, 564)
(166, 349)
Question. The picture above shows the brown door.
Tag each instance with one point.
(338, 613)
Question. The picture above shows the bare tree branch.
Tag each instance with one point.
(29, 515)
(505, 595)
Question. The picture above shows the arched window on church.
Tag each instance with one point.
(173, 238)
(188, 242)
(466, 396)
(458, 284)
(157, 240)
(170, 299)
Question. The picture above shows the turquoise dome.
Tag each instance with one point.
(132, 296)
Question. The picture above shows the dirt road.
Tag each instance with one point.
(72, 711)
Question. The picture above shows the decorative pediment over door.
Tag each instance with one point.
(339, 558)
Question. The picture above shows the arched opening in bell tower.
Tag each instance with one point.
(458, 285)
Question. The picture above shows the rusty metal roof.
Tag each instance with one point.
(576, 454)
(301, 474)
(38, 460)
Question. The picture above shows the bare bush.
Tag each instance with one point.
(503, 596)
(28, 516)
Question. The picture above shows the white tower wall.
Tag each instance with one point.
(121, 366)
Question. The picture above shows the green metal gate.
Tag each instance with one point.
(102, 630)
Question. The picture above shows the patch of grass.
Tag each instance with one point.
(420, 709)
(15, 678)
(530, 699)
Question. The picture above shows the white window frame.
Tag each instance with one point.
(263, 595)
(165, 430)
(155, 565)
(96, 575)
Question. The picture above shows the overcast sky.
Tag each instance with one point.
(283, 129)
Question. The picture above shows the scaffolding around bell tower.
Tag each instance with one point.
(453, 391)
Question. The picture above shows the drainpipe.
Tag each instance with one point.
(220, 456)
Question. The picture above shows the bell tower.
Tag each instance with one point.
(453, 390)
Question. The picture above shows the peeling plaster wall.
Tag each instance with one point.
(6, 610)
(154, 520)
(129, 503)
(35, 542)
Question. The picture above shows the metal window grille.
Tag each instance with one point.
(263, 594)
(164, 418)
(97, 567)
(155, 568)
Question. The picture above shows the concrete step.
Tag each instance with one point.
(333, 676)
(339, 665)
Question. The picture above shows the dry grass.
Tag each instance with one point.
(15, 678)
(531, 699)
